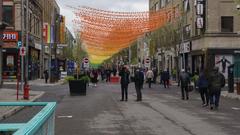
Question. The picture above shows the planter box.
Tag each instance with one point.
(114, 79)
(77, 87)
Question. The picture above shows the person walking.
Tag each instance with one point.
(149, 76)
(108, 74)
(94, 78)
(165, 78)
(124, 74)
(155, 72)
(184, 83)
(202, 84)
(216, 82)
(138, 80)
(46, 76)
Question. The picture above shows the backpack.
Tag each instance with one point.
(218, 81)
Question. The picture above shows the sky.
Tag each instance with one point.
(112, 5)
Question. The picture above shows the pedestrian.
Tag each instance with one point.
(94, 76)
(155, 72)
(216, 82)
(124, 74)
(194, 79)
(149, 76)
(142, 77)
(138, 80)
(46, 75)
(165, 78)
(114, 71)
(184, 83)
(202, 84)
(108, 74)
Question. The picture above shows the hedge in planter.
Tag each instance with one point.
(78, 87)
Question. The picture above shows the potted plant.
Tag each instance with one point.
(78, 86)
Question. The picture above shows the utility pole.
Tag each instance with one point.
(51, 44)
(27, 42)
(42, 66)
(1, 42)
(182, 37)
(22, 36)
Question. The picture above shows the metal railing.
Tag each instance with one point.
(43, 123)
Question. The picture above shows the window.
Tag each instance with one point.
(8, 14)
(227, 24)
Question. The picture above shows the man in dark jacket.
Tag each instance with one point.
(184, 83)
(165, 78)
(124, 74)
(138, 80)
(108, 74)
(202, 84)
(216, 82)
(46, 76)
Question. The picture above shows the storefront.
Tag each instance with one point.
(10, 55)
(34, 64)
(222, 58)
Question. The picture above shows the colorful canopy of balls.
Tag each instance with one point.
(105, 33)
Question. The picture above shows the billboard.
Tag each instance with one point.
(223, 62)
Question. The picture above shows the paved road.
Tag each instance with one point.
(162, 112)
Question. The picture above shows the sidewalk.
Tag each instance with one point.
(9, 95)
(39, 82)
(230, 95)
(224, 92)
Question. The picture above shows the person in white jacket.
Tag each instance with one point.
(149, 77)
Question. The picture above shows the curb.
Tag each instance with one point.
(230, 97)
(18, 108)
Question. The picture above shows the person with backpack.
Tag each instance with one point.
(202, 84)
(149, 76)
(184, 82)
(216, 83)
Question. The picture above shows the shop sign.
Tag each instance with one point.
(38, 46)
(185, 47)
(61, 45)
(10, 36)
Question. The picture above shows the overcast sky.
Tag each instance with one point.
(113, 5)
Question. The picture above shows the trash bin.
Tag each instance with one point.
(238, 88)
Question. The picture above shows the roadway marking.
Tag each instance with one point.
(235, 108)
(65, 116)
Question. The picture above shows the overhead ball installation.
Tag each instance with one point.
(105, 33)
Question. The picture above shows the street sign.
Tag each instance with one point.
(22, 51)
(85, 63)
(19, 44)
(147, 62)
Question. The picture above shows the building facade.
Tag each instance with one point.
(12, 36)
(51, 35)
(209, 33)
